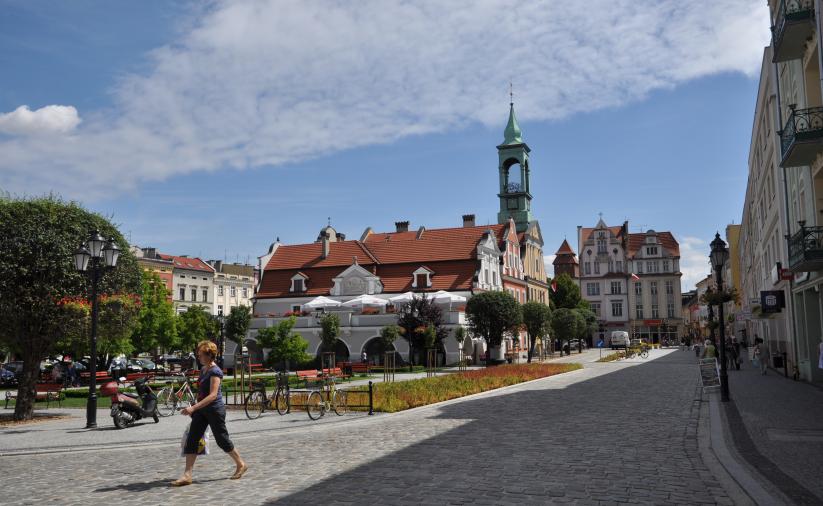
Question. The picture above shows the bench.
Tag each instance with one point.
(43, 391)
(336, 372)
(360, 368)
(307, 376)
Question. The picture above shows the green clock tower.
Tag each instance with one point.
(515, 196)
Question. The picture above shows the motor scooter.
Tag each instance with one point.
(127, 408)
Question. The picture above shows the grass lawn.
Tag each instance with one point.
(68, 402)
(392, 397)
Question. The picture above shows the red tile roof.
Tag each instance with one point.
(585, 233)
(667, 240)
(435, 245)
(565, 249)
(192, 264)
(309, 256)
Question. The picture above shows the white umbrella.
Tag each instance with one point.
(365, 300)
(443, 297)
(403, 297)
(321, 303)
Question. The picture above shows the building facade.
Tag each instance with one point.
(193, 283)
(604, 276)
(233, 286)
(148, 260)
(565, 261)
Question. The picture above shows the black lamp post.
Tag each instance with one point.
(101, 255)
(719, 256)
(221, 320)
(709, 292)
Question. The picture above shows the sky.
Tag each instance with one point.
(213, 128)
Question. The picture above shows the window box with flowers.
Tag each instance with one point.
(370, 310)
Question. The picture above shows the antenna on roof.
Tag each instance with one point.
(329, 220)
(511, 93)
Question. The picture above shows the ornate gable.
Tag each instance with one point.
(356, 280)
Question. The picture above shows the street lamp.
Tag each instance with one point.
(95, 256)
(221, 320)
(719, 256)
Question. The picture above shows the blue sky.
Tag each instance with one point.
(211, 130)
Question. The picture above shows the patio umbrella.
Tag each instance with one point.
(365, 300)
(444, 297)
(321, 303)
(402, 298)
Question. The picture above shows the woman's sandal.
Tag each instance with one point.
(182, 482)
(239, 474)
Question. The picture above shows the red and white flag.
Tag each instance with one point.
(635, 277)
(554, 286)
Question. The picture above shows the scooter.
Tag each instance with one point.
(127, 408)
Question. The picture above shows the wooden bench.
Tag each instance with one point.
(336, 372)
(307, 376)
(43, 391)
(360, 368)
(102, 376)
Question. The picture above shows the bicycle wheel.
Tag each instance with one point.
(340, 401)
(644, 354)
(254, 405)
(315, 406)
(281, 401)
(165, 401)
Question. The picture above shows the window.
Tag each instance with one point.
(655, 311)
(669, 287)
(638, 288)
(639, 266)
(670, 310)
(597, 267)
(421, 278)
(620, 266)
(295, 309)
(194, 293)
(245, 292)
(183, 276)
(616, 287)
(601, 245)
(205, 294)
(234, 291)
(595, 308)
(665, 266)
(592, 288)
(494, 277)
(182, 293)
(653, 287)
(298, 282)
(651, 250)
(220, 290)
(649, 266)
(617, 308)
(638, 310)
(220, 310)
(298, 285)
(587, 267)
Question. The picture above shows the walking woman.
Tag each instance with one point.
(209, 411)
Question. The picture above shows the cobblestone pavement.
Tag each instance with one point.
(620, 432)
(776, 425)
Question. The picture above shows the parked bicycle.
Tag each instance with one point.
(171, 398)
(328, 398)
(641, 351)
(258, 401)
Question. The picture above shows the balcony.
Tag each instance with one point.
(801, 140)
(806, 249)
(793, 26)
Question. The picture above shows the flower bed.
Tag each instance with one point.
(611, 357)
(391, 397)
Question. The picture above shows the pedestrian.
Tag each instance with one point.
(208, 411)
(71, 374)
(709, 351)
(363, 357)
(761, 355)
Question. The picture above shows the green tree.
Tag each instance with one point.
(237, 323)
(460, 335)
(567, 295)
(566, 323)
(415, 317)
(195, 325)
(284, 344)
(589, 323)
(156, 322)
(388, 335)
(38, 238)
(329, 331)
(537, 318)
(492, 314)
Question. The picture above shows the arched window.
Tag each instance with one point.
(514, 179)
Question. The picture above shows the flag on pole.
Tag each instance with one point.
(635, 277)
(554, 286)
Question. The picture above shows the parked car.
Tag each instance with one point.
(148, 366)
(619, 339)
(575, 344)
(16, 368)
(7, 378)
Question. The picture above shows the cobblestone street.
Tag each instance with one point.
(610, 433)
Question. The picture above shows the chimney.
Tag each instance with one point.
(402, 226)
(324, 241)
(468, 220)
(341, 237)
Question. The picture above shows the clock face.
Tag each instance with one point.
(512, 203)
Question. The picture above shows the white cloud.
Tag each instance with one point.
(694, 261)
(46, 120)
(253, 84)
(547, 260)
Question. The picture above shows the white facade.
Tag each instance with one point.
(233, 286)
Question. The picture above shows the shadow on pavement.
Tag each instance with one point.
(626, 435)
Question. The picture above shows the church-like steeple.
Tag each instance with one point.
(513, 169)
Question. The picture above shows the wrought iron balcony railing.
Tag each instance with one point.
(806, 249)
(792, 26)
(800, 139)
(514, 188)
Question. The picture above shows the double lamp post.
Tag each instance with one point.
(94, 257)
(719, 256)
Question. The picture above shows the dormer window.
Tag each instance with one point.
(421, 278)
(298, 283)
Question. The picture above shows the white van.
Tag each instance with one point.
(619, 339)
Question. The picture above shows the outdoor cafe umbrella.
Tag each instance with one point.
(365, 300)
(402, 298)
(444, 297)
(321, 303)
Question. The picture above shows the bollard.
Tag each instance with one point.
(371, 398)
